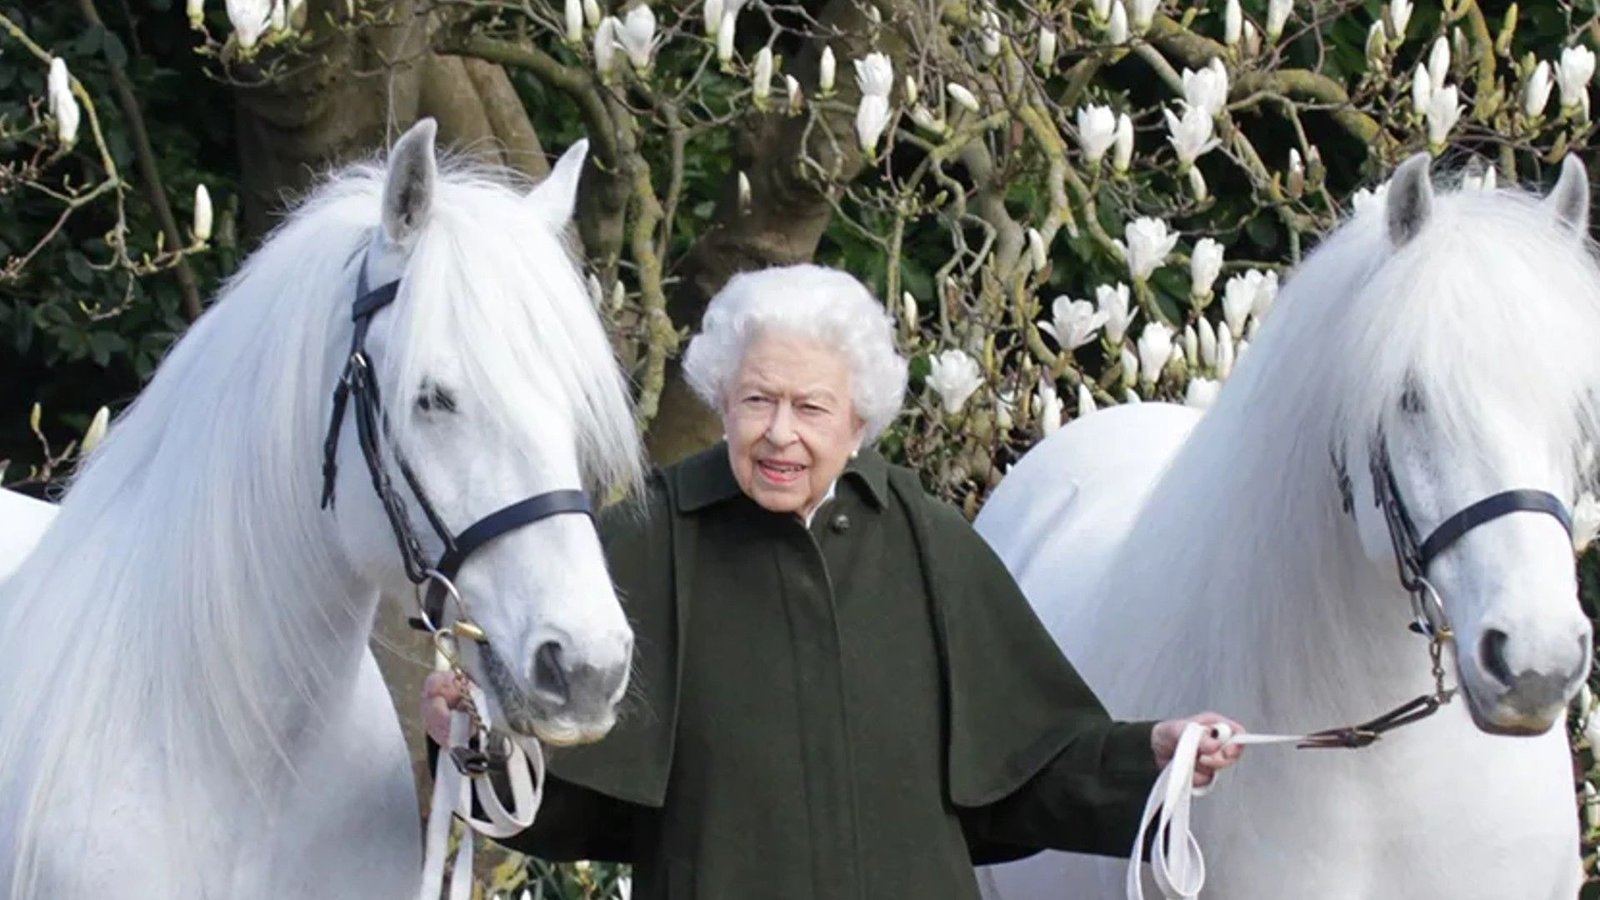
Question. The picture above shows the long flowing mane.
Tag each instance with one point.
(1493, 304)
(172, 598)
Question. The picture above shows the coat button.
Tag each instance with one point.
(840, 523)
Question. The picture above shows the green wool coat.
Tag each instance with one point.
(858, 709)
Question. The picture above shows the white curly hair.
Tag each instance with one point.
(805, 301)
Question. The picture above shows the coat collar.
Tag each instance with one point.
(706, 478)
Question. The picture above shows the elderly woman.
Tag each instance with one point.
(840, 690)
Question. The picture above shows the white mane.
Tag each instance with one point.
(188, 566)
(1493, 302)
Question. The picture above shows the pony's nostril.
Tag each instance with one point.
(1492, 652)
(549, 676)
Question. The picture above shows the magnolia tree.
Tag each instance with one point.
(56, 157)
(1064, 204)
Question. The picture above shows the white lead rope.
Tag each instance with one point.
(1175, 858)
(453, 793)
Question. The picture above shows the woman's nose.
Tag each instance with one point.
(780, 430)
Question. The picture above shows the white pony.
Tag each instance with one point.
(1238, 560)
(189, 708)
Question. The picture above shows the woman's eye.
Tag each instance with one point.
(434, 398)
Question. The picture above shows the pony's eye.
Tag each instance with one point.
(435, 398)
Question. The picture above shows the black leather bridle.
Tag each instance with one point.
(1412, 556)
(359, 383)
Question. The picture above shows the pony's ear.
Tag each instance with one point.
(408, 188)
(555, 197)
(1409, 201)
(1569, 199)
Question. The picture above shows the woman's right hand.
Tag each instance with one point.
(441, 693)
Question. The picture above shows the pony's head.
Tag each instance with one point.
(1470, 372)
(497, 384)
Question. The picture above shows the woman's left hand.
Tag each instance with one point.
(1214, 754)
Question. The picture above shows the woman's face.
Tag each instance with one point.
(790, 422)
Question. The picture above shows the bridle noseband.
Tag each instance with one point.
(1413, 556)
(359, 383)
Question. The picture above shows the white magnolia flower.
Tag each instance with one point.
(925, 119)
(744, 192)
(1122, 144)
(1005, 407)
(911, 90)
(1583, 702)
(825, 71)
(875, 75)
(1399, 15)
(1155, 348)
(1421, 90)
(1100, 11)
(1208, 343)
(954, 376)
(1295, 183)
(1443, 113)
(1573, 75)
(1369, 198)
(619, 295)
(1130, 367)
(1252, 40)
(1224, 350)
(793, 85)
(1486, 180)
(63, 106)
(726, 32)
(1585, 523)
(962, 96)
(96, 432)
(202, 213)
(712, 13)
(1536, 93)
(1129, 398)
(1085, 400)
(597, 294)
(1142, 13)
(1205, 264)
(1277, 16)
(1191, 346)
(591, 13)
(605, 46)
(1050, 407)
(908, 308)
(1074, 322)
(624, 888)
(196, 10)
(1197, 185)
(249, 19)
(574, 21)
(1036, 250)
(1439, 63)
(1148, 241)
(1047, 48)
(1191, 135)
(1117, 31)
(1232, 23)
(1591, 806)
(1239, 299)
(1097, 131)
(1200, 393)
(1376, 48)
(761, 78)
(1266, 295)
(637, 35)
(1207, 88)
(989, 34)
(1113, 300)
(276, 19)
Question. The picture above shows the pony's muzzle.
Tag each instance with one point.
(566, 696)
(1526, 699)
